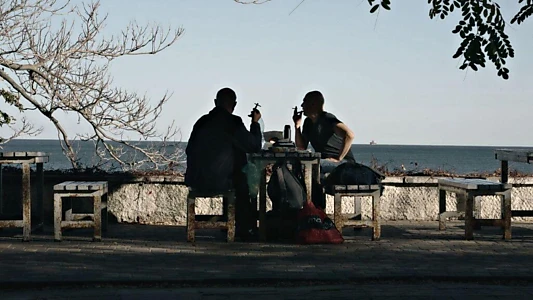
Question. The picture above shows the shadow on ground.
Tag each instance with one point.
(136, 254)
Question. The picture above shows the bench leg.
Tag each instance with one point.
(58, 216)
(104, 219)
(507, 215)
(442, 209)
(97, 218)
(26, 202)
(376, 221)
(40, 195)
(469, 217)
(262, 207)
(231, 217)
(337, 212)
(191, 217)
(68, 210)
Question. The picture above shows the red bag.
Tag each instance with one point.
(314, 227)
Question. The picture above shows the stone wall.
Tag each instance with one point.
(162, 199)
(404, 198)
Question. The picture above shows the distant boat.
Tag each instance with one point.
(373, 142)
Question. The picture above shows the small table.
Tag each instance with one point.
(516, 155)
(311, 163)
(468, 189)
(26, 158)
(95, 190)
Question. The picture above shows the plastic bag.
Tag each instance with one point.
(314, 227)
(253, 178)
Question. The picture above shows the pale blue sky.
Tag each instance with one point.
(393, 81)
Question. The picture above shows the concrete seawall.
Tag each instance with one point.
(162, 199)
(404, 198)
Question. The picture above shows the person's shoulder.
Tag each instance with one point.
(202, 120)
(237, 119)
(328, 115)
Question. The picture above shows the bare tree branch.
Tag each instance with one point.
(53, 53)
(251, 1)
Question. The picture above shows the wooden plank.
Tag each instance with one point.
(471, 184)
(42, 159)
(356, 188)
(367, 223)
(516, 155)
(77, 224)
(61, 186)
(11, 223)
(210, 225)
(302, 154)
(522, 213)
(81, 186)
(23, 154)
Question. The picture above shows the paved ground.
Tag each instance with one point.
(411, 259)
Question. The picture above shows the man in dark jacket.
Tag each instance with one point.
(216, 154)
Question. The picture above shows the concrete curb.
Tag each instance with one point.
(268, 282)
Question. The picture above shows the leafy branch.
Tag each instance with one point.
(482, 30)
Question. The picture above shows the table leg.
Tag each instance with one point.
(1, 193)
(262, 207)
(58, 217)
(376, 221)
(308, 174)
(26, 202)
(40, 195)
(504, 179)
(469, 217)
(255, 211)
(442, 209)
(97, 207)
(316, 172)
(505, 171)
(507, 215)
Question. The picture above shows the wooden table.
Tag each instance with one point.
(468, 190)
(515, 155)
(311, 163)
(26, 158)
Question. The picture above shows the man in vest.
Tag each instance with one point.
(327, 134)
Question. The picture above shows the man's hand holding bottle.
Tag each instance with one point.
(255, 114)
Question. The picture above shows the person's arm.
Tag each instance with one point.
(300, 141)
(347, 135)
(194, 133)
(248, 141)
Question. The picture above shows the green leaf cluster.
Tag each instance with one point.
(383, 3)
(482, 30)
(11, 99)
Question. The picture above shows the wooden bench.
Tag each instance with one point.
(514, 155)
(25, 159)
(466, 190)
(341, 219)
(213, 223)
(77, 190)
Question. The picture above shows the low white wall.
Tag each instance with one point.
(405, 198)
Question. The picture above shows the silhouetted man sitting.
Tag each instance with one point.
(216, 155)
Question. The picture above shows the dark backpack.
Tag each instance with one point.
(353, 173)
(286, 187)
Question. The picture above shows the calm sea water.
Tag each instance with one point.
(456, 159)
